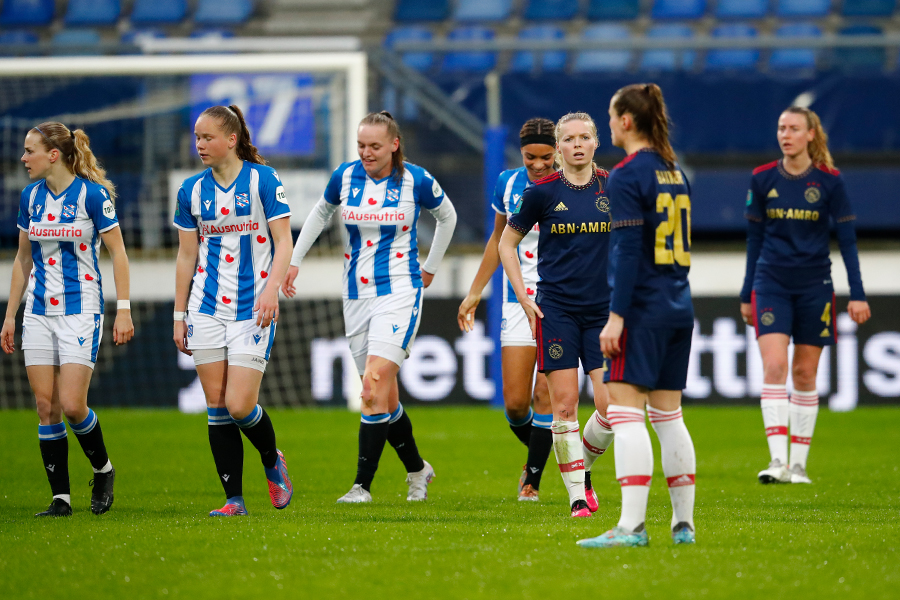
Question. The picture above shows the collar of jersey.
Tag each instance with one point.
(231, 185)
(62, 193)
(784, 172)
(385, 178)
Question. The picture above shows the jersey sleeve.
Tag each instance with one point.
(24, 217)
(754, 209)
(430, 193)
(100, 208)
(271, 194)
(183, 217)
(625, 208)
(528, 211)
(332, 192)
(840, 208)
(499, 192)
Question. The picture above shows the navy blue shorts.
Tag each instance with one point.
(564, 336)
(808, 317)
(655, 358)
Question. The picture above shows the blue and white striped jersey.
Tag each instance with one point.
(236, 247)
(65, 241)
(381, 255)
(507, 196)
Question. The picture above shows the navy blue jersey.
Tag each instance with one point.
(573, 246)
(650, 256)
(795, 211)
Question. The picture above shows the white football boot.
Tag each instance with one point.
(798, 475)
(356, 494)
(418, 483)
(776, 473)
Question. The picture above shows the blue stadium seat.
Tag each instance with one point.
(803, 8)
(421, 10)
(552, 60)
(678, 9)
(18, 37)
(603, 60)
(223, 12)
(741, 9)
(860, 59)
(720, 60)
(613, 10)
(470, 61)
(27, 12)
(868, 8)
(795, 58)
(76, 42)
(668, 60)
(92, 12)
(420, 61)
(550, 10)
(158, 11)
(482, 10)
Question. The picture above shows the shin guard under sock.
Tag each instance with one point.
(678, 461)
(540, 444)
(257, 426)
(634, 462)
(400, 437)
(55, 455)
(90, 436)
(373, 432)
(227, 450)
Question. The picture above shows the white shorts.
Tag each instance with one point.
(384, 326)
(235, 338)
(514, 328)
(62, 339)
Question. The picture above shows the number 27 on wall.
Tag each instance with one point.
(679, 251)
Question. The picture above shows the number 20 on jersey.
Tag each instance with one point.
(676, 227)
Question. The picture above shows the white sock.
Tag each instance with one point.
(67, 498)
(678, 460)
(105, 469)
(634, 462)
(596, 439)
(569, 455)
(804, 410)
(774, 404)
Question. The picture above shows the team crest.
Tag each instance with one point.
(767, 318)
(503, 325)
(190, 330)
(603, 204)
(393, 195)
(812, 195)
(555, 351)
(242, 200)
(68, 212)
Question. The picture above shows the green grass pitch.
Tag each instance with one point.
(471, 539)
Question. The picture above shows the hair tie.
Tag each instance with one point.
(537, 138)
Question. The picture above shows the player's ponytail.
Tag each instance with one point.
(574, 116)
(75, 149)
(386, 119)
(231, 120)
(645, 103)
(539, 131)
(818, 147)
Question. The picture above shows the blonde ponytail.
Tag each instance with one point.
(75, 148)
(818, 147)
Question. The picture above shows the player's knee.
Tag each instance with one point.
(47, 412)
(515, 400)
(775, 371)
(804, 376)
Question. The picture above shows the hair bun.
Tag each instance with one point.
(387, 114)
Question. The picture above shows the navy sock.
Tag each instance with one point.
(55, 454)
(522, 427)
(90, 436)
(539, 448)
(400, 437)
(257, 426)
(227, 449)
(373, 432)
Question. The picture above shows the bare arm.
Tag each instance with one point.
(267, 305)
(490, 260)
(123, 330)
(509, 241)
(188, 251)
(21, 270)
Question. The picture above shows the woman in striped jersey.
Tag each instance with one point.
(380, 197)
(63, 217)
(234, 245)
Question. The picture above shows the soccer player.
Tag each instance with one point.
(380, 197)
(571, 305)
(233, 217)
(532, 427)
(787, 290)
(651, 316)
(63, 217)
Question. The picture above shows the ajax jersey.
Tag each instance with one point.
(381, 255)
(65, 242)
(507, 196)
(236, 247)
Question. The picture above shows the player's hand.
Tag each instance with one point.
(533, 312)
(180, 336)
(466, 315)
(747, 314)
(8, 335)
(266, 308)
(123, 329)
(287, 287)
(427, 278)
(859, 311)
(609, 337)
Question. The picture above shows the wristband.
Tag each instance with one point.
(123, 304)
(178, 315)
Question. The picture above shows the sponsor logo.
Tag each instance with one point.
(355, 191)
(773, 193)
(109, 211)
(793, 213)
(58, 232)
(560, 206)
(555, 351)
(38, 212)
(395, 328)
(825, 333)
(436, 189)
(256, 338)
(749, 197)
(603, 204)
(279, 195)
(81, 341)
(348, 214)
(767, 318)
(812, 195)
(206, 203)
(237, 228)
(595, 227)
(681, 480)
(242, 200)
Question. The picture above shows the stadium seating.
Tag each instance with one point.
(158, 11)
(76, 42)
(803, 8)
(795, 58)
(27, 12)
(668, 60)
(613, 10)
(868, 8)
(737, 59)
(603, 60)
(678, 9)
(470, 61)
(19, 37)
(865, 59)
(420, 61)
(554, 60)
(223, 12)
(92, 12)
(741, 9)
(550, 10)
(482, 10)
(421, 10)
